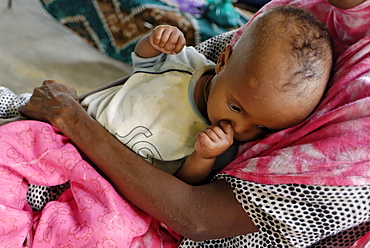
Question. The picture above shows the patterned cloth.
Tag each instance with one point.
(297, 215)
(37, 195)
(10, 102)
(88, 214)
(115, 26)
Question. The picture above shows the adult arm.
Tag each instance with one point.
(198, 212)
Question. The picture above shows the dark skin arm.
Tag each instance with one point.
(198, 212)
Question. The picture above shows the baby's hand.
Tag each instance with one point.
(167, 39)
(214, 140)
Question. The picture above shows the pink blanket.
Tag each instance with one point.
(332, 147)
(89, 214)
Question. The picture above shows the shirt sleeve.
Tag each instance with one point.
(139, 62)
(188, 60)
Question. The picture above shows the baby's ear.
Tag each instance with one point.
(223, 58)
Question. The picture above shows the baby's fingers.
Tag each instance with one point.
(168, 39)
(215, 136)
(180, 44)
(227, 128)
(210, 144)
(212, 133)
(204, 140)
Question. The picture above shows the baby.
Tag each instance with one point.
(272, 79)
(181, 111)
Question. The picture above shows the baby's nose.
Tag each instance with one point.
(242, 127)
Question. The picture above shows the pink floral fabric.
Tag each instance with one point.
(332, 147)
(89, 214)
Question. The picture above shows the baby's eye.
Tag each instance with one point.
(234, 108)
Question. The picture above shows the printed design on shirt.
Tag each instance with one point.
(136, 140)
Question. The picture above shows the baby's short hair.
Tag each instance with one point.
(308, 39)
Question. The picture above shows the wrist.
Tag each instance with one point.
(203, 156)
(68, 116)
(145, 49)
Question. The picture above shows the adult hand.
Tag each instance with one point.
(49, 100)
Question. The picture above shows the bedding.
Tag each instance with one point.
(114, 27)
(88, 214)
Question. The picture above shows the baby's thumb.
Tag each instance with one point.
(228, 128)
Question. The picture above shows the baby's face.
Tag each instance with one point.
(250, 100)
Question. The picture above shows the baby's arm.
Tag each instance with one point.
(163, 39)
(211, 142)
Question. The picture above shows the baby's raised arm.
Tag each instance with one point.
(163, 39)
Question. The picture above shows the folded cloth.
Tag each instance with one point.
(88, 214)
(10, 102)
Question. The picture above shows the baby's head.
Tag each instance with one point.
(274, 76)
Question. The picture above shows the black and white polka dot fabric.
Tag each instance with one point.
(213, 47)
(292, 215)
(38, 196)
(10, 102)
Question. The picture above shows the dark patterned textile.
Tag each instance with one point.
(115, 26)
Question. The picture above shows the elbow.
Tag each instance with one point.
(200, 231)
(196, 232)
